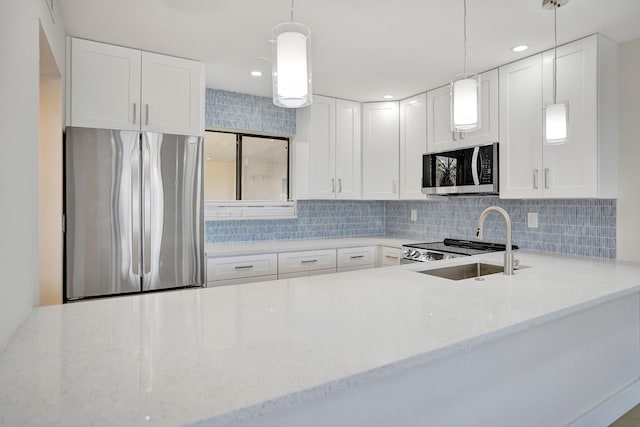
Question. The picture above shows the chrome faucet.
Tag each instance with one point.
(508, 253)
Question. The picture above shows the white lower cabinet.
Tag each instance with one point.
(306, 263)
(241, 269)
(350, 259)
(389, 256)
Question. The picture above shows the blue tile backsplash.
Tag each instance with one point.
(232, 110)
(572, 227)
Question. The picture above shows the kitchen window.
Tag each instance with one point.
(246, 176)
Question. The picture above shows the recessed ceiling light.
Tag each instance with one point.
(208, 158)
(388, 96)
(520, 48)
(256, 73)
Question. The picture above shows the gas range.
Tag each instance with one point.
(449, 248)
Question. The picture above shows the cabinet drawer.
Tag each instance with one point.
(306, 273)
(356, 267)
(389, 256)
(240, 281)
(241, 266)
(291, 262)
(353, 257)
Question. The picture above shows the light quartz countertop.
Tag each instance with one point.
(230, 353)
(267, 246)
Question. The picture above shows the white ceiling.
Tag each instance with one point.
(361, 49)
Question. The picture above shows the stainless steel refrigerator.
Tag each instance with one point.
(133, 212)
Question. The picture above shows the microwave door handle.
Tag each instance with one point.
(475, 165)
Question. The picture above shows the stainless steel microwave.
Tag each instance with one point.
(472, 170)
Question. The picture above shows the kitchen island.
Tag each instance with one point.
(386, 346)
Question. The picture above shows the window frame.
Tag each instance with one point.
(238, 209)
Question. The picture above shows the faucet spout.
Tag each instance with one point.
(508, 253)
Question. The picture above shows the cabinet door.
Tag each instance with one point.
(439, 136)
(348, 149)
(488, 132)
(105, 86)
(389, 256)
(571, 169)
(322, 183)
(380, 150)
(521, 129)
(172, 95)
(413, 144)
(301, 145)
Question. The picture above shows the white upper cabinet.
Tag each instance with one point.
(413, 144)
(334, 149)
(380, 150)
(322, 146)
(173, 93)
(583, 167)
(521, 128)
(441, 138)
(105, 86)
(114, 87)
(348, 150)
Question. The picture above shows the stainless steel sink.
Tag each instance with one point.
(465, 271)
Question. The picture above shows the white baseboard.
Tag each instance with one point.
(611, 409)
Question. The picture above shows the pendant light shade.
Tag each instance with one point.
(465, 95)
(291, 66)
(465, 103)
(556, 120)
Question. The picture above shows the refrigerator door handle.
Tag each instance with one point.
(135, 210)
(146, 205)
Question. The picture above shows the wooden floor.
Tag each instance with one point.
(630, 419)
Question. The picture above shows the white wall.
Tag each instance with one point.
(628, 210)
(19, 119)
(50, 191)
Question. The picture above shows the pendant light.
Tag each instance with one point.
(556, 115)
(465, 94)
(291, 64)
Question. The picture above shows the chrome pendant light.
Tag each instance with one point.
(291, 64)
(556, 115)
(465, 94)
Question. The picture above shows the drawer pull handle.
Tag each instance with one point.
(357, 256)
(309, 261)
(240, 267)
(391, 257)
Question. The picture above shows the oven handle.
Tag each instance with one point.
(475, 161)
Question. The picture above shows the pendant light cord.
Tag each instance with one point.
(555, 47)
(292, 10)
(465, 40)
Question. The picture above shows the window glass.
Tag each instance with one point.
(219, 166)
(262, 173)
(264, 168)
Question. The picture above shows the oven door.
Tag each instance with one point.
(471, 170)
